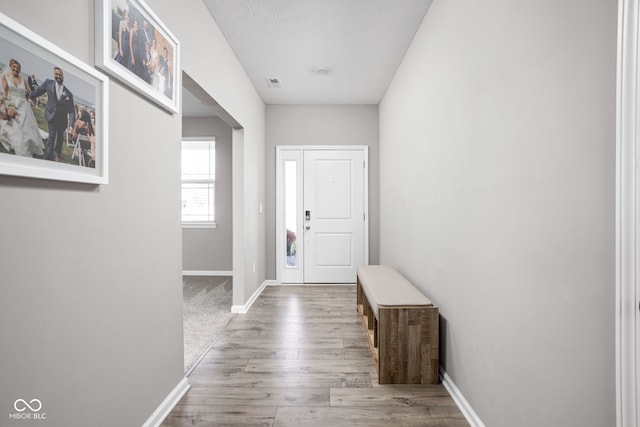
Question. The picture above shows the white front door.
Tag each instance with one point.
(321, 214)
(333, 215)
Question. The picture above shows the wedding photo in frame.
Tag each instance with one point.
(53, 110)
(135, 47)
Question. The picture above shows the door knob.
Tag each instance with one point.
(307, 227)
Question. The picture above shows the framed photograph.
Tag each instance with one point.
(136, 48)
(53, 110)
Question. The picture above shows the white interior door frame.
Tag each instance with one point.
(288, 152)
(627, 217)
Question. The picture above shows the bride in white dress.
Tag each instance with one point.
(19, 133)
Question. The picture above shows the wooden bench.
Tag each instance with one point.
(402, 326)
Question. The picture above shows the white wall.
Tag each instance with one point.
(497, 145)
(91, 284)
(321, 125)
(210, 249)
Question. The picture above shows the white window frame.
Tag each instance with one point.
(199, 224)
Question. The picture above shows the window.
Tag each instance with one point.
(198, 183)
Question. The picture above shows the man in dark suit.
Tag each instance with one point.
(148, 32)
(60, 112)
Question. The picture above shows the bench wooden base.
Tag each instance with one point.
(403, 341)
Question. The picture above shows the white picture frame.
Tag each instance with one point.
(86, 91)
(120, 51)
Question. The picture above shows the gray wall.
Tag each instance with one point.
(497, 163)
(93, 273)
(91, 284)
(210, 249)
(321, 125)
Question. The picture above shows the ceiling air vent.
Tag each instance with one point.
(273, 83)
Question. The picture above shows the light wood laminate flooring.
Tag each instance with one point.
(300, 357)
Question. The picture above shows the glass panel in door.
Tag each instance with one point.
(291, 213)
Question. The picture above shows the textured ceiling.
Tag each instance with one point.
(359, 42)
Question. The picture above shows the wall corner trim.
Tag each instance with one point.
(470, 415)
(627, 213)
(162, 411)
(243, 309)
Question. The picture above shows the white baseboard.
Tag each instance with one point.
(206, 273)
(245, 308)
(472, 418)
(311, 284)
(167, 404)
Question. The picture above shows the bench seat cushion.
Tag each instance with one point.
(385, 287)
